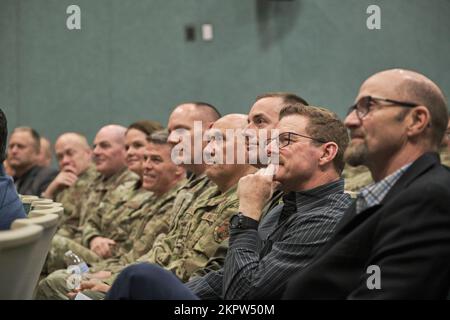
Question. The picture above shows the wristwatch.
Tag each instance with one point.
(239, 221)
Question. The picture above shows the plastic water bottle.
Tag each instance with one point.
(72, 259)
(77, 269)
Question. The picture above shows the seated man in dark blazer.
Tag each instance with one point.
(23, 155)
(394, 242)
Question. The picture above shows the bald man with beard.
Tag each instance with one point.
(394, 242)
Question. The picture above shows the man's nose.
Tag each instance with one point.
(352, 120)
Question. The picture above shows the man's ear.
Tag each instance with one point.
(329, 152)
(419, 120)
(180, 171)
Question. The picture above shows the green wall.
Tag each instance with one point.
(130, 60)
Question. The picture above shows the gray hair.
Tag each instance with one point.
(159, 137)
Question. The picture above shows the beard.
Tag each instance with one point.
(356, 154)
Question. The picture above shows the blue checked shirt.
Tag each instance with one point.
(259, 262)
(374, 193)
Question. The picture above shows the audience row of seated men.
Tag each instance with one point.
(232, 232)
(398, 226)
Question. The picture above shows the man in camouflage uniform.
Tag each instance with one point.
(71, 184)
(113, 184)
(356, 178)
(138, 226)
(196, 234)
(181, 126)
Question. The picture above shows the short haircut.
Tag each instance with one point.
(3, 135)
(34, 135)
(146, 126)
(424, 94)
(287, 97)
(215, 114)
(159, 137)
(80, 136)
(323, 125)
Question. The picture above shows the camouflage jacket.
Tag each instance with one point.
(102, 190)
(71, 198)
(116, 217)
(356, 178)
(195, 234)
(155, 219)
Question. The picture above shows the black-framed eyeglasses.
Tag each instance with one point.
(284, 139)
(363, 105)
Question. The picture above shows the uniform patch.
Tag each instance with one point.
(222, 232)
(210, 217)
(133, 204)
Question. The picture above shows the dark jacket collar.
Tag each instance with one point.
(417, 168)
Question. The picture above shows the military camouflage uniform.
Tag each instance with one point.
(196, 234)
(155, 219)
(71, 198)
(117, 219)
(54, 286)
(218, 259)
(107, 193)
(445, 156)
(356, 178)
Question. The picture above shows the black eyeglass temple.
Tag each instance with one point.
(401, 103)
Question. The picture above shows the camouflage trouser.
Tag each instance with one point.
(60, 245)
(55, 287)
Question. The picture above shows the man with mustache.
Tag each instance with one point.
(394, 242)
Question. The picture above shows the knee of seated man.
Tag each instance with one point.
(143, 272)
(54, 286)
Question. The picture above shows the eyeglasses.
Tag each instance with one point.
(363, 105)
(285, 138)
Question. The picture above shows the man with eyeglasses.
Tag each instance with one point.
(394, 242)
(310, 148)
